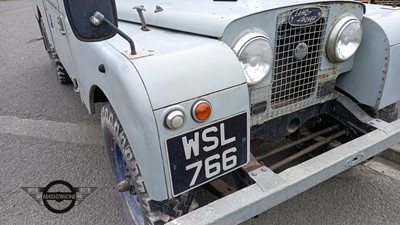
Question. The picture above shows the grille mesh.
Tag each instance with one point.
(295, 80)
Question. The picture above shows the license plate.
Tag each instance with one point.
(206, 153)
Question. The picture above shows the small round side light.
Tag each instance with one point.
(175, 119)
(201, 111)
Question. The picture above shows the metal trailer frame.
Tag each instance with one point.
(271, 189)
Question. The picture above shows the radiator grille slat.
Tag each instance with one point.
(295, 79)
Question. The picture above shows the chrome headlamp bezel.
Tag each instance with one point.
(335, 35)
(244, 42)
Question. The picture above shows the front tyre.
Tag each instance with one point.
(139, 208)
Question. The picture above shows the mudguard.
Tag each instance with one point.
(375, 76)
(137, 87)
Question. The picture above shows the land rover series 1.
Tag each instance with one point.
(255, 100)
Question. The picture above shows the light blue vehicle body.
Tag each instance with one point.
(187, 56)
(375, 76)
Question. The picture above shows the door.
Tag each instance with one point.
(58, 34)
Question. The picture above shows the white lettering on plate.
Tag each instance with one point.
(209, 136)
(223, 138)
(212, 165)
(191, 145)
(208, 139)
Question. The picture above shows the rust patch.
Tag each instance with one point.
(252, 165)
(254, 143)
(323, 76)
(333, 68)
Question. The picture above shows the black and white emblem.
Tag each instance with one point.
(59, 196)
(301, 51)
(305, 16)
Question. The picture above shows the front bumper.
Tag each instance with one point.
(271, 189)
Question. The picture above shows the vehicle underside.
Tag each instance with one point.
(289, 140)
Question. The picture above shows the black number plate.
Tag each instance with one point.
(200, 155)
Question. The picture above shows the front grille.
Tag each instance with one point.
(295, 79)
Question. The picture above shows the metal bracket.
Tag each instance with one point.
(139, 54)
(140, 9)
(382, 125)
(266, 179)
(354, 160)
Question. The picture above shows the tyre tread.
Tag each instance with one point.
(154, 212)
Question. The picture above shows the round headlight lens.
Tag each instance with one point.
(255, 53)
(345, 39)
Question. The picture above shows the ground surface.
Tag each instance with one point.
(46, 134)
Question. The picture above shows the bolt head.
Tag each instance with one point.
(123, 186)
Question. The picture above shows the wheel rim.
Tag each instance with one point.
(133, 206)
